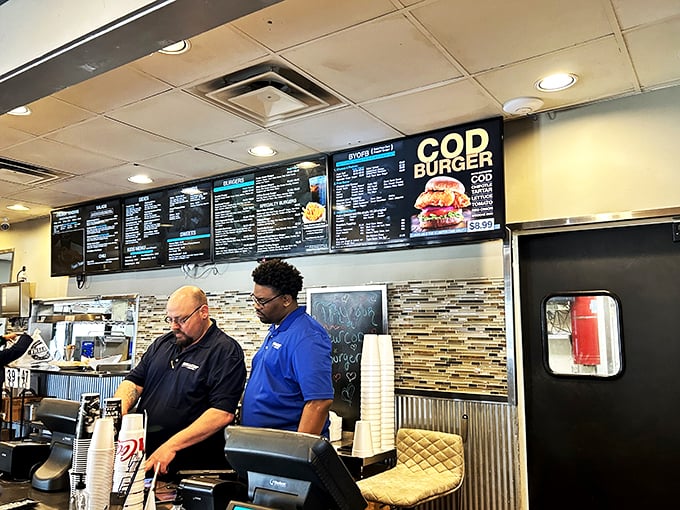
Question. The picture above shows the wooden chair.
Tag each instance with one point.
(429, 465)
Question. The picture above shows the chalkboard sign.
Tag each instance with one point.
(348, 313)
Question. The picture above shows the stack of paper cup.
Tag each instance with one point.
(387, 418)
(99, 471)
(128, 467)
(363, 443)
(87, 414)
(370, 387)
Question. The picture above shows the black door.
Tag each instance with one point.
(605, 442)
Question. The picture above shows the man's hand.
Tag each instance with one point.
(162, 457)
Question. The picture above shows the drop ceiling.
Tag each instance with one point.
(383, 69)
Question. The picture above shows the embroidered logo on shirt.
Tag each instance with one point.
(276, 345)
(190, 366)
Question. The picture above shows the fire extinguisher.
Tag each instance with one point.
(584, 331)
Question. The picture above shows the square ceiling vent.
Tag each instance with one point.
(266, 94)
(17, 172)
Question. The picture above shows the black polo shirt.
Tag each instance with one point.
(179, 386)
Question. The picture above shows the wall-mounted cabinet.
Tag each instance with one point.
(15, 299)
(96, 326)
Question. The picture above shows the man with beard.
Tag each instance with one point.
(189, 382)
(290, 385)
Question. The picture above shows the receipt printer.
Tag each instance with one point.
(19, 458)
(206, 493)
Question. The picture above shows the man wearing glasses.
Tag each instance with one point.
(290, 385)
(189, 381)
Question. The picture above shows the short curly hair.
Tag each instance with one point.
(279, 275)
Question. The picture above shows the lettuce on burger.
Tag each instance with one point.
(441, 203)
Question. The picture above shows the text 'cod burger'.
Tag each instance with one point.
(441, 203)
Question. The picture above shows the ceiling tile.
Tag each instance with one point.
(51, 154)
(292, 22)
(89, 187)
(484, 34)
(10, 136)
(106, 136)
(193, 163)
(113, 89)
(435, 108)
(601, 68)
(337, 130)
(632, 13)
(185, 118)
(655, 51)
(53, 198)
(367, 61)
(48, 114)
(118, 177)
(237, 148)
(216, 52)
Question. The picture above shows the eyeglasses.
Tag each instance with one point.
(262, 302)
(181, 320)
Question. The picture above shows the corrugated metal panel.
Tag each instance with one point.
(70, 387)
(491, 451)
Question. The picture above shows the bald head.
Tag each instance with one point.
(188, 294)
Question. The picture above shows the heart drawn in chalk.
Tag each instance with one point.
(351, 376)
(348, 393)
(337, 376)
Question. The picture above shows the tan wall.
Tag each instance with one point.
(611, 157)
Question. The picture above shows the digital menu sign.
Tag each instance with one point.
(86, 239)
(442, 187)
(167, 227)
(278, 211)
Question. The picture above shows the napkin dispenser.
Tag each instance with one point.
(206, 493)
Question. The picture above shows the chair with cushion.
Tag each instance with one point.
(429, 465)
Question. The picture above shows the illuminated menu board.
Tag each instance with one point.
(67, 241)
(86, 239)
(167, 227)
(102, 236)
(442, 187)
(278, 211)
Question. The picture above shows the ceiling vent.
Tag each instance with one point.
(17, 172)
(266, 94)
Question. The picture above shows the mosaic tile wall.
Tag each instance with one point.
(448, 335)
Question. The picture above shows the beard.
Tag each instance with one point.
(182, 340)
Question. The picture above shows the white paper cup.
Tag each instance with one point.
(132, 421)
(363, 442)
(102, 437)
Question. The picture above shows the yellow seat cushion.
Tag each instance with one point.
(429, 465)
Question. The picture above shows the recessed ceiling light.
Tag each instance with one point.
(20, 110)
(176, 48)
(261, 151)
(140, 179)
(18, 207)
(555, 82)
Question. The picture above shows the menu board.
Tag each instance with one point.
(67, 241)
(102, 236)
(167, 227)
(442, 187)
(278, 211)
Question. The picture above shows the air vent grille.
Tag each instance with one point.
(266, 94)
(17, 172)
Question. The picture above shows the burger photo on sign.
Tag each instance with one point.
(441, 204)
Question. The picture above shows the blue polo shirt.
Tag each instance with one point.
(179, 386)
(292, 366)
